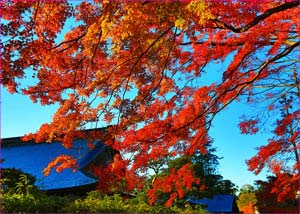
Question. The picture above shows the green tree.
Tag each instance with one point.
(203, 165)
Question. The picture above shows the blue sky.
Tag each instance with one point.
(20, 116)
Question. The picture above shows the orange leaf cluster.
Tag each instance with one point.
(60, 163)
(175, 183)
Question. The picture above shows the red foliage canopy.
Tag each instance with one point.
(138, 66)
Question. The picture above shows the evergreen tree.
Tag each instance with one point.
(204, 166)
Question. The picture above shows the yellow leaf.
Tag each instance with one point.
(201, 9)
(180, 22)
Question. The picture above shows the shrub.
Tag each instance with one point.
(97, 202)
(14, 180)
(18, 203)
(13, 202)
(20, 195)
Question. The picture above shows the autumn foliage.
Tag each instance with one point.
(139, 66)
(267, 198)
(247, 200)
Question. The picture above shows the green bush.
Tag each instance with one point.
(96, 202)
(14, 180)
(18, 203)
(33, 203)
(19, 195)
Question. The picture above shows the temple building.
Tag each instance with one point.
(32, 158)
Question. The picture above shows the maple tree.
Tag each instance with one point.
(138, 66)
(267, 199)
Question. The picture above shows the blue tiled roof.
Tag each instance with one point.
(33, 158)
(91, 155)
(219, 203)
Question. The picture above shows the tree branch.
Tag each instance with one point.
(71, 40)
(257, 19)
(212, 43)
(239, 87)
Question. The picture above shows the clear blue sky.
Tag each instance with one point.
(20, 116)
